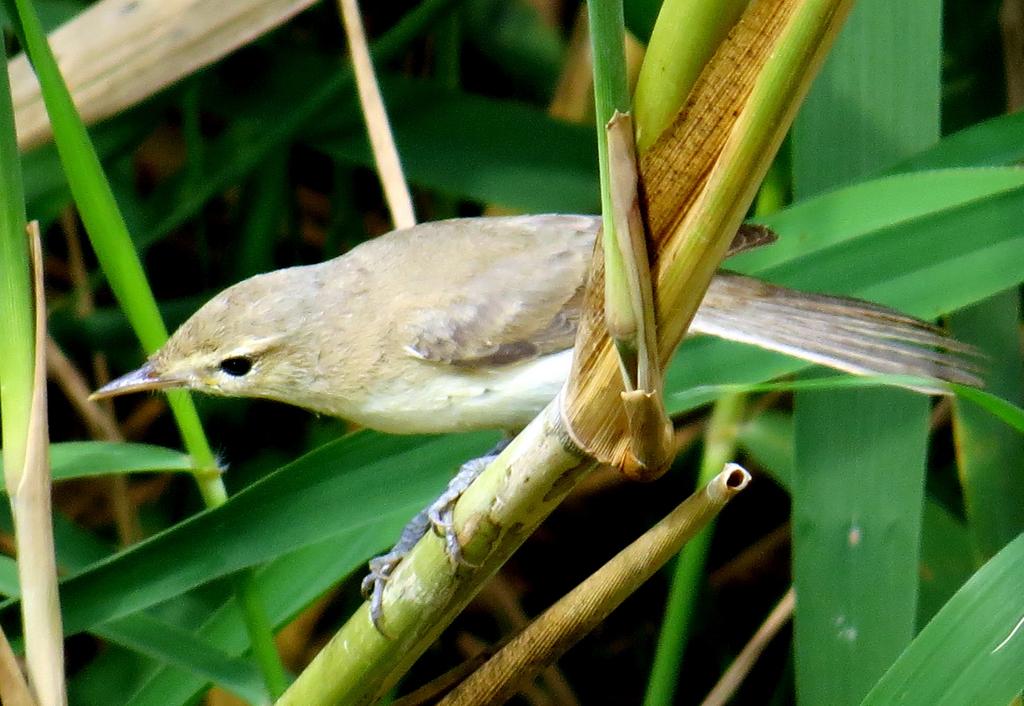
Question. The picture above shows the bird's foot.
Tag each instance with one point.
(440, 517)
(441, 513)
(381, 567)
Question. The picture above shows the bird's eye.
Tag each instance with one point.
(236, 366)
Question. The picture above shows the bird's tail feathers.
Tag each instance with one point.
(847, 334)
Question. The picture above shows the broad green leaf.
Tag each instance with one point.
(287, 585)
(945, 545)
(972, 651)
(82, 459)
(355, 482)
(897, 201)
(876, 100)
(175, 646)
(702, 394)
(997, 406)
(860, 456)
(166, 643)
(857, 497)
(995, 142)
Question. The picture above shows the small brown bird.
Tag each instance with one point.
(469, 324)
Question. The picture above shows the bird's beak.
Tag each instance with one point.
(142, 380)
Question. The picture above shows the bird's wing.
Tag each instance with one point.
(524, 304)
(527, 303)
(846, 334)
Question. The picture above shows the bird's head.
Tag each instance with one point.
(251, 340)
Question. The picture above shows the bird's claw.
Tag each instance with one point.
(374, 582)
(440, 517)
(442, 521)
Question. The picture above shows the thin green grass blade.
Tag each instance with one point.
(689, 568)
(106, 227)
(972, 651)
(990, 455)
(860, 455)
(16, 349)
(997, 406)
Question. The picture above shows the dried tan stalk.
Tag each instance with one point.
(582, 609)
(33, 525)
(385, 153)
(699, 177)
(118, 52)
(14, 689)
(745, 660)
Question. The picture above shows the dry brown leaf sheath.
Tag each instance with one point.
(698, 179)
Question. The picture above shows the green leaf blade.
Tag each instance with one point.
(861, 455)
(971, 652)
